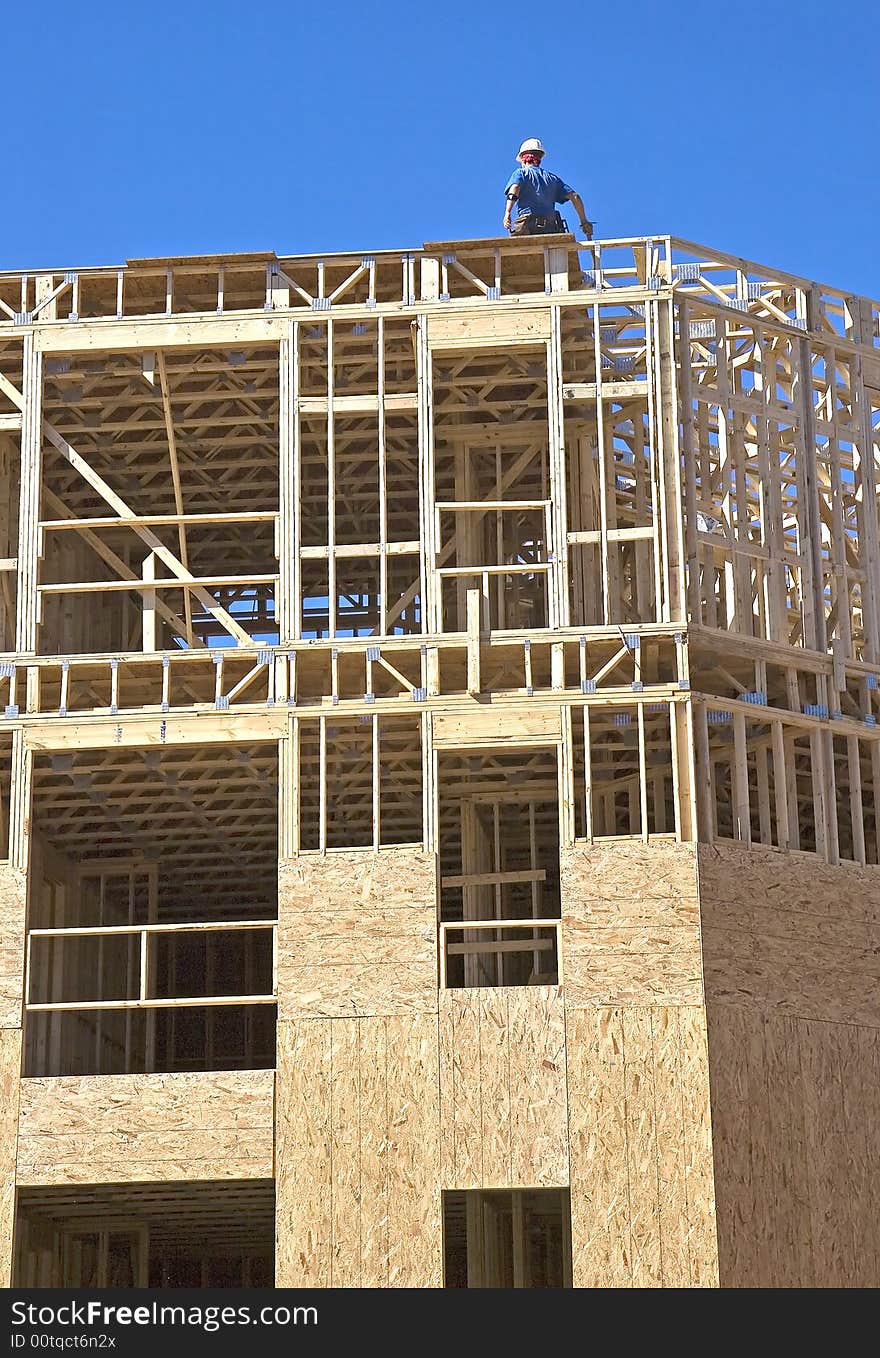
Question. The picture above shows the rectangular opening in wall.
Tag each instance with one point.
(869, 761)
(360, 782)
(357, 456)
(10, 481)
(610, 467)
(502, 550)
(803, 791)
(763, 791)
(152, 911)
(719, 724)
(623, 771)
(855, 790)
(507, 1238)
(492, 484)
(201, 1234)
(357, 597)
(613, 558)
(5, 788)
(499, 867)
(173, 476)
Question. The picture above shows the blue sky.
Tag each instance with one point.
(181, 128)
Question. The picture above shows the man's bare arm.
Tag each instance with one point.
(578, 204)
(512, 195)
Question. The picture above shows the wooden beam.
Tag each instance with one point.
(175, 480)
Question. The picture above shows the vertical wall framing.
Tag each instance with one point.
(10, 1067)
(288, 470)
(20, 802)
(868, 521)
(559, 607)
(13, 921)
(780, 480)
(815, 634)
(787, 781)
(565, 773)
(431, 595)
(661, 327)
(29, 512)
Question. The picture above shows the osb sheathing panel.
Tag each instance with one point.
(502, 1088)
(10, 1068)
(792, 963)
(630, 924)
(13, 895)
(640, 1147)
(358, 1156)
(139, 1128)
(357, 934)
(796, 1115)
(786, 934)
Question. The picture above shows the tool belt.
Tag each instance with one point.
(530, 224)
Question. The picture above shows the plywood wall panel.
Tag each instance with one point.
(759, 1096)
(358, 1175)
(461, 1089)
(797, 1163)
(661, 977)
(788, 883)
(862, 1110)
(374, 1120)
(803, 980)
(671, 1148)
(538, 1105)
(641, 1174)
(10, 1067)
(857, 1134)
(642, 1181)
(13, 895)
(345, 1151)
(791, 953)
(631, 924)
(736, 1198)
(863, 1106)
(826, 1169)
(601, 1244)
(633, 882)
(359, 990)
(412, 1184)
(303, 1197)
(843, 1157)
(697, 1143)
(495, 1092)
(641, 1139)
(447, 1070)
(503, 1099)
(786, 934)
(357, 934)
(138, 1128)
(792, 1254)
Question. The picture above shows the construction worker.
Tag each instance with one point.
(536, 193)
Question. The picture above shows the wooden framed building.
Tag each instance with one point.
(441, 771)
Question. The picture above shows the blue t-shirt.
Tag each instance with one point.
(539, 190)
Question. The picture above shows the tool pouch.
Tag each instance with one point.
(531, 224)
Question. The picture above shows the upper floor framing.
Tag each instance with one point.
(311, 459)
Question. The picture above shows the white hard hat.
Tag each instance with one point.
(532, 144)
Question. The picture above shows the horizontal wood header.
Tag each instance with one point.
(515, 727)
(468, 331)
